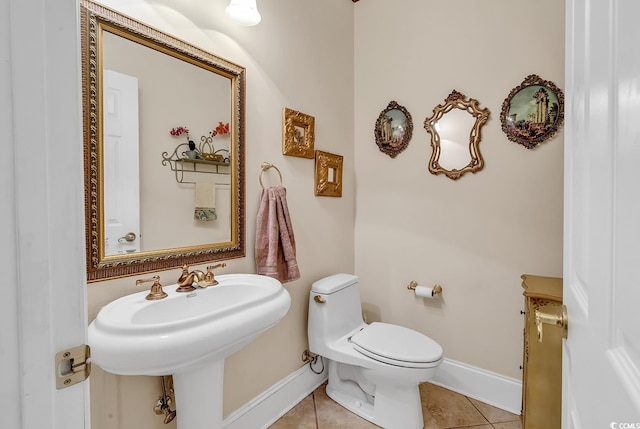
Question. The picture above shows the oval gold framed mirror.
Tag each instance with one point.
(455, 136)
(139, 86)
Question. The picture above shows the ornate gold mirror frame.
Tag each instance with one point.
(440, 146)
(95, 21)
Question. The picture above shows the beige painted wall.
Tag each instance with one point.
(287, 65)
(477, 235)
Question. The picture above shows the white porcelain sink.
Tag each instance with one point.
(187, 335)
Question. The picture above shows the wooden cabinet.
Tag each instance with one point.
(542, 367)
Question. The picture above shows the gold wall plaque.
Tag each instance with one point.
(298, 134)
(328, 182)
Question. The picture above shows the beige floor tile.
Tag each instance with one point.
(333, 416)
(302, 416)
(446, 409)
(443, 409)
(475, 427)
(508, 425)
(493, 414)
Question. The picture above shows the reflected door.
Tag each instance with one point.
(121, 164)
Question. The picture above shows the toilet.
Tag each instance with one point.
(374, 369)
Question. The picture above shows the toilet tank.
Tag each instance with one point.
(339, 314)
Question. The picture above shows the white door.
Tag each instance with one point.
(121, 163)
(43, 305)
(601, 357)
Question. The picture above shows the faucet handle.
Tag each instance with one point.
(209, 277)
(185, 273)
(156, 291)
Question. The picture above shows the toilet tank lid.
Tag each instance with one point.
(333, 283)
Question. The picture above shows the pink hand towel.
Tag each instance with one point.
(275, 243)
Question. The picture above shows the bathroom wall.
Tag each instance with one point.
(477, 235)
(287, 65)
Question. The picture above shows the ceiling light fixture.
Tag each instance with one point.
(244, 12)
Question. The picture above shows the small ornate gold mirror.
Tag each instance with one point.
(455, 136)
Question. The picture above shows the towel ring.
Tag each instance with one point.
(265, 166)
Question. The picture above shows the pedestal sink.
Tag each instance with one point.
(187, 335)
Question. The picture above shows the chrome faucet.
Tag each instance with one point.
(186, 279)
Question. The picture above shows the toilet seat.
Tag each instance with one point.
(397, 345)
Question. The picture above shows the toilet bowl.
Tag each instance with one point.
(374, 369)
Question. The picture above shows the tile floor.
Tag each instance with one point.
(442, 408)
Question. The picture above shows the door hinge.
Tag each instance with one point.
(72, 366)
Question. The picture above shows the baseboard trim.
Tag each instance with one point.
(263, 410)
(491, 388)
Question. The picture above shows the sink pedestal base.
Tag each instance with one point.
(198, 394)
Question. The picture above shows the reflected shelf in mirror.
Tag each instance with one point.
(181, 161)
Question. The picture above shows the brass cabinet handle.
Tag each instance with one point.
(559, 320)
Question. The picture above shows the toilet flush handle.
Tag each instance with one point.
(319, 299)
(559, 320)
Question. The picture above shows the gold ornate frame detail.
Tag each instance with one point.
(93, 18)
(393, 129)
(298, 133)
(533, 112)
(457, 100)
(328, 179)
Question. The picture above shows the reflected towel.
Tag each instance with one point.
(275, 242)
(205, 207)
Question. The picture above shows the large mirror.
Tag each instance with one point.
(164, 149)
(455, 136)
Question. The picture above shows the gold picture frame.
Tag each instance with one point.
(393, 129)
(298, 133)
(533, 112)
(328, 179)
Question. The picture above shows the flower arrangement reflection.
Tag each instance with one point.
(205, 150)
(192, 152)
(221, 129)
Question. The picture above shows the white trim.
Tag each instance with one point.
(263, 410)
(485, 386)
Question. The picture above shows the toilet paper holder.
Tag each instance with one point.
(413, 285)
